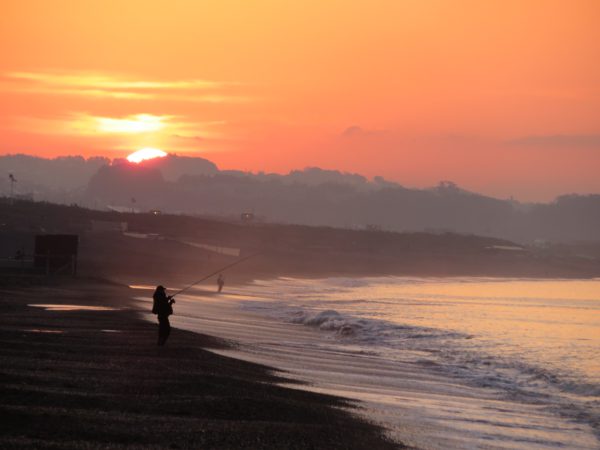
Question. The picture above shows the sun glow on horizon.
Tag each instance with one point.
(146, 153)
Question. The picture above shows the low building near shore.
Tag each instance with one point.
(56, 253)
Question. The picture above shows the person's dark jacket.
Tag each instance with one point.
(162, 304)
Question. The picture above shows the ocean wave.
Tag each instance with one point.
(361, 330)
(330, 320)
(449, 352)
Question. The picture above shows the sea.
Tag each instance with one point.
(490, 363)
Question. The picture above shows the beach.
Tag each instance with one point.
(81, 369)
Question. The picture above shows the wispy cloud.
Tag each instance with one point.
(92, 93)
(100, 85)
(356, 131)
(100, 81)
(559, 140)
(140, 125)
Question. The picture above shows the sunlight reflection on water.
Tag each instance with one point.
(59, 307)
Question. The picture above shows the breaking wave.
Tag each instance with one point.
(452, 353)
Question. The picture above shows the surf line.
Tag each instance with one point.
(222, 269)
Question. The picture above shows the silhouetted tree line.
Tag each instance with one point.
(310, 197)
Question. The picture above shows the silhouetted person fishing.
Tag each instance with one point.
(163, 308)
(163, 303)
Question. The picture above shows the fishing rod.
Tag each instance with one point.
(222, 269)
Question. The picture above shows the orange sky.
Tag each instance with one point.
(501, 97)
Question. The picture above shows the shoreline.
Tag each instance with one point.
(74, 378)
(377, 382)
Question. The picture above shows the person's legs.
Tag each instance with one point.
(160, 331)
(164, 328)
(167, 330)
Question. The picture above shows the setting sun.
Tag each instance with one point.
(146, 153)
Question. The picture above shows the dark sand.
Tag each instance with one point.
(65, 383)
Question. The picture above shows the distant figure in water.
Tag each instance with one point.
(221, 282)
(163, 308)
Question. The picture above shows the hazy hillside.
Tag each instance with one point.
(61, 179)
(311, 197)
